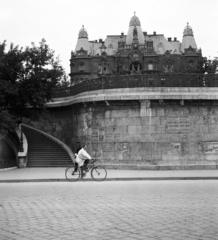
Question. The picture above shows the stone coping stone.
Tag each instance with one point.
(122, 94)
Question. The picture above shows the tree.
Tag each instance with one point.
(27, 79)
(42, 72)
(210, 66)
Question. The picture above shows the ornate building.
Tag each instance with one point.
(135, 53)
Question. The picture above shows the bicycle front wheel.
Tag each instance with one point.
(71, 174)
(98, 173)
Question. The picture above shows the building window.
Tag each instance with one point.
(150, 67)
(150, 46)
(81, 67)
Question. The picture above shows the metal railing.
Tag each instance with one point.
(136, 81)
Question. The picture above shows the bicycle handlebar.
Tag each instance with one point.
(93, 160)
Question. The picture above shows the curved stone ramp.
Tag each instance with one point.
(44, 150)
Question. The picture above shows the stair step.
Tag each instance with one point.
(44, 152)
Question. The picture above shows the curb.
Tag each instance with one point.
(109, 179)
(7, 169)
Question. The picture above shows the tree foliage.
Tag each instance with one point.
(27, 78)
(211, 66)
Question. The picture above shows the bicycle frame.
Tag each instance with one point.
(97, 172)
(91, 164)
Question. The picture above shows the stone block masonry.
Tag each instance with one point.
(141, 133)
(150, 134)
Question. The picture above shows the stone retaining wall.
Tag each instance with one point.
(148, 134)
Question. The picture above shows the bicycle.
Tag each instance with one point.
(98, 173)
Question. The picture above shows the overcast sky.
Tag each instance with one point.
(59, 21)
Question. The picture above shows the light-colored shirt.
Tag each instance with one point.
(82, 156)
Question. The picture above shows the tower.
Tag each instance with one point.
(82, 42)
(134, 27)
(188, 40)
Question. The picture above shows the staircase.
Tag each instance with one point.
(44, 151)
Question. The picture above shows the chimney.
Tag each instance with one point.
(169, 39)
(154, 33)
(175, 39)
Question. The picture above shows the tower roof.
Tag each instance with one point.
(134, 21)
(188, 31)
(82, 41)
(83, 33)
(135, 31)
(188, 39)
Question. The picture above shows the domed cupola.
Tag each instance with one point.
(82, 41)
(188, 38)
(134, 21)
(188, 31)
(134, 25)
(83, 33)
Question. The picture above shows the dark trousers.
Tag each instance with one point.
(76, 167)
(84, 167)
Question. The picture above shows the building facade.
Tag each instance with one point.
(137, 52)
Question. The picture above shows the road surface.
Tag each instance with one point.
(142, 210)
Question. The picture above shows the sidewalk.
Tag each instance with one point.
(57, 174)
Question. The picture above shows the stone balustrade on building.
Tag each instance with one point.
(139, 81)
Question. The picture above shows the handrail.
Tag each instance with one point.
(59, 142)
(24, 148)
(143, 80)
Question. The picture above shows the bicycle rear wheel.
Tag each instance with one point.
(71, 175)
(98, 173)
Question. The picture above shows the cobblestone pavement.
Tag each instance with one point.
(146, 210)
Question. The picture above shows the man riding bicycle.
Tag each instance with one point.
(82, 159)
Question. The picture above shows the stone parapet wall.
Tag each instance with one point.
(144, 93)
(172, 80)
